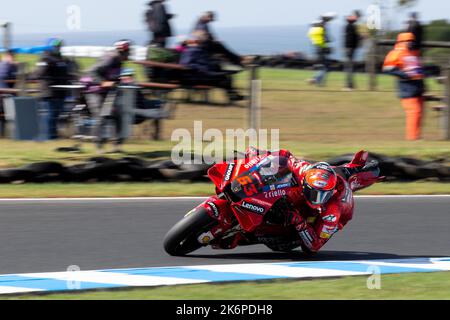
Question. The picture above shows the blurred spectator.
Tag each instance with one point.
(127, 77)
(352, 41)
(415, 27)
(404, 63)
(108, 72)
(213, 45)
(320, 39)
(181, 44)
(109, 67)
(53, 69)
(8, 72)
(158, 22)
(205, 69)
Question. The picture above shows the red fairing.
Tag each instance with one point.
(248, 221)
(219, 209)
(216, 174)
(255, 198)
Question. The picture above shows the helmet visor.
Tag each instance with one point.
(315, 196)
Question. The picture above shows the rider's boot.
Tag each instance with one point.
(366, 176)
(230, 242)
(359, 173)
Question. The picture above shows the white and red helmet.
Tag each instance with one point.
(123, 46)
(319, 183)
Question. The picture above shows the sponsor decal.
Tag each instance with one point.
(330, 218)
(283, 186)
(253, 207)
(214, 209)
(324, 235)
(322, 166)
(252, 163)
(206, 238)
(274, 194)
(229, 172)
(329, 231)
(320, 184)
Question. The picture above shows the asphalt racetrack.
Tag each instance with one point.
(50, 236)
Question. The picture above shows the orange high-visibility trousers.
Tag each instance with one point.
(414, 108)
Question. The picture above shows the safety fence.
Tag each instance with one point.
(132, 169)
(281, 99)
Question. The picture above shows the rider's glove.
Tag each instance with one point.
(294, 218)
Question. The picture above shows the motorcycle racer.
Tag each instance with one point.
(322, 207)
(327, 197)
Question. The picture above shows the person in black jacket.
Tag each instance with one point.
(108, 72)
(213, 45)
(8, 71)
(351, 42)
(416, 28)
(53, 69)
(158, 22)
(205, 70)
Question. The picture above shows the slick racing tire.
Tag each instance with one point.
(182, 239)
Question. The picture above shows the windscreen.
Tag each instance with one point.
(269, 174)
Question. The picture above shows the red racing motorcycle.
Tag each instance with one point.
(253, 197)
(249, 208)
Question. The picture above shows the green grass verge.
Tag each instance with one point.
(179, 189)
(423, 286)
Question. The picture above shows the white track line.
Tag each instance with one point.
(13, 290)
(279, 270)
(125, 199)
(112, 278)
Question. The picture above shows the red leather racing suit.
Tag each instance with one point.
(316, 225)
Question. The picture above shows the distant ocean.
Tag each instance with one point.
(246, 40)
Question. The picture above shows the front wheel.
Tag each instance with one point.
(182, 239)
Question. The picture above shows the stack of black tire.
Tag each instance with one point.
(404, 168)
(130, 169)
(101, 169)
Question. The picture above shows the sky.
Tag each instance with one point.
(45, 16)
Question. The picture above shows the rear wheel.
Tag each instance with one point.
(182, 239)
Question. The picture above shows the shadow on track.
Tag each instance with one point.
(300, 256)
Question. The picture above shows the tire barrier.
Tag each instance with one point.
(100, 169)
(404, 168)
(300, 61)
(132, 169)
